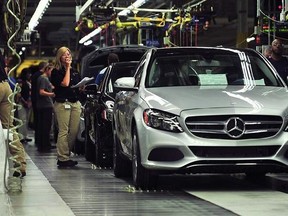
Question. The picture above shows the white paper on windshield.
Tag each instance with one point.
(260, 82)
(213, 79)
(82, 82)
(251, 82)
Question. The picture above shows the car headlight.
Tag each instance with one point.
(161, 120)
(108, 112)
(286, 128)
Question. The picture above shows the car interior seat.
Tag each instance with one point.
(173, 73)
(167, 75)
(233, 77)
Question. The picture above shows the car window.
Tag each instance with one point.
(139, 71)
(210, 69)
(102, 83)
(116, 73)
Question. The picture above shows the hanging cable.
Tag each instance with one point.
(268, 17)
(14, 183)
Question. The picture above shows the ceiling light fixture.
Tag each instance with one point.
(193, 3)
(150, 10)
(135, 5)
(249, 39)
(108, 2)
(40, 10)
(87, 43)
(90, 35)
(85, 6)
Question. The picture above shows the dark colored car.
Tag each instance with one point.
(93, 62)
(98, 114)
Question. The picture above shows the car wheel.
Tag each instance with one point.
(255, 175)
(120, 164)
(99, 160)
(142, 178)
(89, 145)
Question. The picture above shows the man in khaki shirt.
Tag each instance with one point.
(15, 147)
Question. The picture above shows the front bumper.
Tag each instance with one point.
(183, 152)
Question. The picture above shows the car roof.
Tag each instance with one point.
(200, 49)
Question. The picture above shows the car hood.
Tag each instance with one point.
(255, 99)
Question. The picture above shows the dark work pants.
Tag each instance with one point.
(35, 125)
(44, 127)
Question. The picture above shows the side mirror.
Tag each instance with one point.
(125, 84)
(90, 89)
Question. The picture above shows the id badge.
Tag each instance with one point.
(67, 106)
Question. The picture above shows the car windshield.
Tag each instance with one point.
(211, 68)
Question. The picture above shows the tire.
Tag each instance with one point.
(99, 157)
(255, 175)
(121, 166)
(89, 145)
(142, 178)
(79, 147)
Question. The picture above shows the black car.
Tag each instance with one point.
(93, 62)
(98, 114)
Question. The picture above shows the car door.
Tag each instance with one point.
(131, 100)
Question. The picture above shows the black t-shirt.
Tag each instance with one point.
(281, 66)
(62, 92)
(34, 89)
(25, 90)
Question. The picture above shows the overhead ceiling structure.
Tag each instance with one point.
(59, 21)
(57, 26)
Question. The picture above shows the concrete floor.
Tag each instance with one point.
(88, 191)
(38, 197)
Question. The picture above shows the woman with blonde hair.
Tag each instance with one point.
(66, 106)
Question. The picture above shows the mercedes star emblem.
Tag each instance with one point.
(235, 127)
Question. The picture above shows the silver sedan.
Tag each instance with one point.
(200, 110)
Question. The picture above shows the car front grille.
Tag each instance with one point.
(234, 127)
